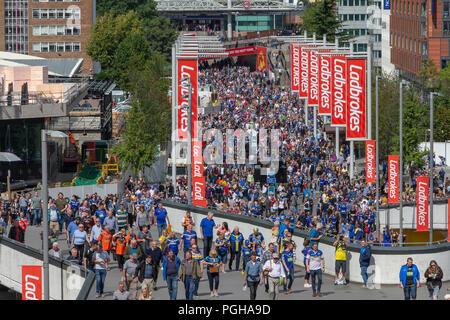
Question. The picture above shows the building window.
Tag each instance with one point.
(356, 2)
(446, 28)
(350, 3)
(56, 47)
(363, 32)
(445, 11)
(345, 2)
(356, 17)
(350, 17)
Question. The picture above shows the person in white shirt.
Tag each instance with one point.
(276, 271)
(96, 230)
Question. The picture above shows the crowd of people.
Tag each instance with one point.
(317, 183)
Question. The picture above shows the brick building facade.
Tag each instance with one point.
(419, 29)
(48, 28)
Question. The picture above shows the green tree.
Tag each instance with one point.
(442, 107)
(428, 75)
(148, 123)
(320, 17)
(131, 53)
(109, 31)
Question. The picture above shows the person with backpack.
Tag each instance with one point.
(364, 261)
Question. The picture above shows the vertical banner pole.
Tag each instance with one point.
(174, 104)
(400, 196)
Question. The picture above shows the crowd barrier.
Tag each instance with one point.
(67, 281)
(385, 263)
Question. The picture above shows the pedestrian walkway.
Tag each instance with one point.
(230, 283)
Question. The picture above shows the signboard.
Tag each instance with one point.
(313, 79)
(189, 69)
(325, 85)
(261, 59)
(422, 193)
(31, 282)
(393, 173)
(295, 68)
(387, 4)
(339, 91)
(370, 161)
(304, 72)
(271, 178)
(356, 99)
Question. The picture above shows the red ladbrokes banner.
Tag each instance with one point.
(186, 68)
(198, 180)
(356, 99)
(339, 91)
(325, 81)
(304, 72)
(31, 282)
(422, 203)
(370, 161)
(295, 67)
(313, 79)
(393, 172)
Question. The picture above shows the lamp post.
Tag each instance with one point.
(402, 83)
(44, 134)
(377, 177)
(431, 162)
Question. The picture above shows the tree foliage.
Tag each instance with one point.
(321, 17)
(148, 123)
(159, 30)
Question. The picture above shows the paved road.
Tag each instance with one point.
(230, 283)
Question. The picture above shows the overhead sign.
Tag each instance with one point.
(304, 72)
(393, 174)
(261, 59)
(387, 4)
(246, 4)
(422, 193)
(313, 79)
(31, 282)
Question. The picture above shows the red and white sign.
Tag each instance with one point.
(31, 282)
(197, 159)
(339, 91)
(325, 85)
(241, 51)
(187, 68)
(304, 72)
(198, 190)
(422, 193)
(370, 161)
(295, 68)
(393, 172)
(356, 99)
(313, 81)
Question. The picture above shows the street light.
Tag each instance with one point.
(431, 162)
(376, 158)
(402, 83)
(44, 134)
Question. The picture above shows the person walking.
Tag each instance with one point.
(434, 276)
(156, 253)
(144, 272)
(213, 263)
(188, 235)
(364, 261)
(236, 241)
(197, 256)
(221, 246)
(409, 279)
(130, 275)
(287, 259)
(253, 275)
(268, 255)
(306, 248)
(341, 259)
(171, 266)
(100, 258)
(206, 230)
(189, 271)
(161, 216)
(315, 264)
(275, 272)
(121, 293)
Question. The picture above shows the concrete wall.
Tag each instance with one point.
(391, 216)
(66, 281)
(385, 264)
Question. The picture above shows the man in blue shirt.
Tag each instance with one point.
(161, 217)
(206, 229)
(187, 236)
(287, 259)
(314, 236)
(174, 243)
(254, 237)
(409, 279)
(236, 242)
(101, 213)
(71, 229)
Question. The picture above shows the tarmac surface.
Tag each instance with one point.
(231, 282)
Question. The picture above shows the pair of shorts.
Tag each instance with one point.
(340, 264)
